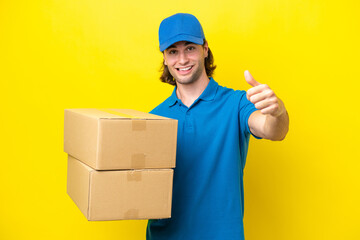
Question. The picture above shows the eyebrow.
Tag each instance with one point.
(186, 43)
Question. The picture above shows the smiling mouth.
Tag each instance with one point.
(184, 69)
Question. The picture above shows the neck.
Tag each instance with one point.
(188, 93)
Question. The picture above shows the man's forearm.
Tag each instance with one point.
(276, 127)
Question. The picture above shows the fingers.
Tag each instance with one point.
(250, 80)
(266, 103)
(256, 90)
(263, 97)
(270, 109)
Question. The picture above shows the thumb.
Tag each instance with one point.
(250, 80)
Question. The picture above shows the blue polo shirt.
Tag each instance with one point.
(208, 194)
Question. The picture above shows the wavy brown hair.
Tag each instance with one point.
(166, 76)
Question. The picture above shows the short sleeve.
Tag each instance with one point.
(246, 108)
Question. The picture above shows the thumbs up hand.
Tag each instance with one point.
(263, 97)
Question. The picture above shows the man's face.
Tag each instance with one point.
(185, 61)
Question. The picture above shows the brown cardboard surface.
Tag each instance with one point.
(110, 139)
(120, 194)
(78, 179)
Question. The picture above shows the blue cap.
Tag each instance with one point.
(180, 27)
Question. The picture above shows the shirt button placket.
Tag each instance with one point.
(188, 121)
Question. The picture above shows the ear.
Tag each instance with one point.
(164, 59)
(206, 49)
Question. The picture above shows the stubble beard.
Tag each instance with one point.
(189, 79)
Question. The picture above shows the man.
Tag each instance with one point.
(214, 126)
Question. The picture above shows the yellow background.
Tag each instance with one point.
(68, 54)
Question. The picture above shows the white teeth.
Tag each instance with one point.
(184, 69)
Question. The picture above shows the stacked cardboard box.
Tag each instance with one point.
(120, 163)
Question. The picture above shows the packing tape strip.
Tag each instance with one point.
(117, 113)
(132, 213)
(134, 176)
(138, 160)
(137, 125)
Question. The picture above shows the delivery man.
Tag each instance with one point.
(214, 126)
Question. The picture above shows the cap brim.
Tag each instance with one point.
(179, 38)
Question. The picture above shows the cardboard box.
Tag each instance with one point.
(108, 139)
(123, 194)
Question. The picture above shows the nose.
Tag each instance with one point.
(183, 58)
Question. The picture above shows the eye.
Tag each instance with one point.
(172, 51)
(190, 48)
